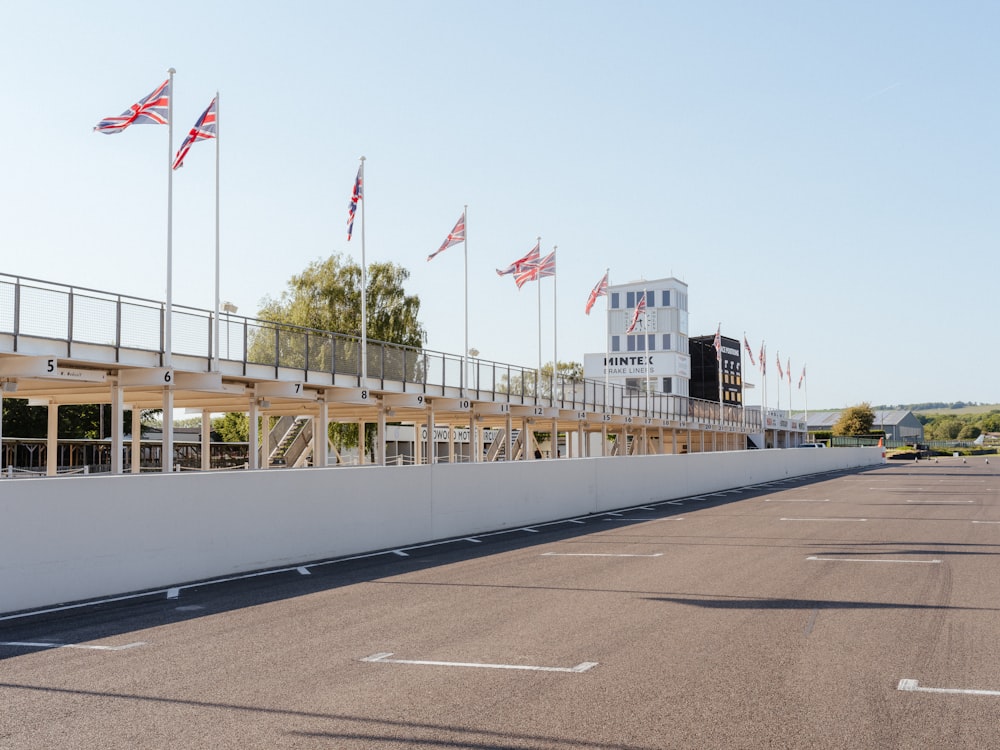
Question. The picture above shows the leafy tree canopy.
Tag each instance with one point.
(857, 420)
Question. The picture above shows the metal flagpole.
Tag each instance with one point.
(167, 459)
(218, 302)
(465, 248)
(607, 335)
(539, 317)
(645, 348)
(555, 319)
(364, 292)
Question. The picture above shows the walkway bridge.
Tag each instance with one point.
(69, 345)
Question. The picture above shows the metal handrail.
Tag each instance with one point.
(78, 315)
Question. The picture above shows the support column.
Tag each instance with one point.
(206, 440)
(381, 433)
(253, 457)
(451, 443)
(528, 439)
(167, 457)
(265, 439)
(475, 451)
(509, 451)
(604, 439)
(431, 443)
(52, 440)
(361, 442)
(117, 430)
(555, 438)
(321, 432)
(418, 444)
(1, 428)
(136, 440)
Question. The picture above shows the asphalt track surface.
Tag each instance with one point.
(848, 610)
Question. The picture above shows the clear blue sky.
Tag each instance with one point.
(823, 176)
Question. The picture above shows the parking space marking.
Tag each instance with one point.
(595, 554)
(941, 502)
(303, 571)
(634, 518)
(383, 658)
(824, 519)
(986, 521)
(912, 686)
(783, 500)
(862, 560)
(47, 644)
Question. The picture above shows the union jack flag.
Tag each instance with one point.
(718, 341)
(536, 270)
(357, 195)
(746, 345)
(600, 290)
(457, 235)
(802, 376)
(204, 129)
(781, 374)
(152, 110)
(763, 359)
(640, 309)
(529, 259)
(788, 372)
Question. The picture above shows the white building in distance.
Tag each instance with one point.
(654, 356)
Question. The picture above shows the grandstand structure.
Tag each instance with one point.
(64, 345)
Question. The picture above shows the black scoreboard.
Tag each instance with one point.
(705, 370)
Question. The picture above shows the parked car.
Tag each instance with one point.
(812, 445)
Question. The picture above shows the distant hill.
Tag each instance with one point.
(941, 407)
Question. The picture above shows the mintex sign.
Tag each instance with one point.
(636, 365)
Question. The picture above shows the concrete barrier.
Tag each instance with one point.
(76, 538)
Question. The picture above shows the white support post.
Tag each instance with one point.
(381, 433)
(265, 439)
(253, 458)
(136, 440)
(167, 458)
(52, 440)
(321, 431)
(117, 428)
(206, 440)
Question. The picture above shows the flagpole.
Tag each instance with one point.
(607, 335)
(645, 348)
(218, 302)
(465, 249)
(167, 447)
(539, 319)
(364, 293)
(555, 319)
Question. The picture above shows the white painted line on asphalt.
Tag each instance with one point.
(594, 554)
(44, 644)
(303, 571)
(384, 659)
(858, 559)
(674, 502)
(646, 507)
(783, 500)
(912, 686)
(473, 540)
(986, 521)
(173, 593)
(400, 553)
(823, 519)
(941, 502)
(530, 530)
(573, 520)
(637, 518)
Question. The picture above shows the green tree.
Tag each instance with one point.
(969, 432)
(857, 420)
(326, 296)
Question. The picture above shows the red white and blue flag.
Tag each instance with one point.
(781, 374)
(600, 290)
(357, 195)
(204, 129)
(152, 110)
(746, 345)
(763, 359)
(457, 235)
(718, 341)
(535, 271)
(640, 309)
(802, 376)
(530, 259)
(788, 372)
